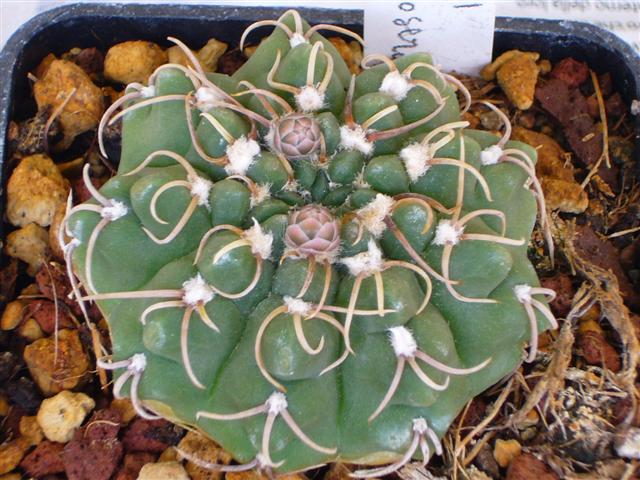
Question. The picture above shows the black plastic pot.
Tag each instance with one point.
(102, 25)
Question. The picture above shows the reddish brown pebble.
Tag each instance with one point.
(596, 350)
(52, 281)
(593, 107)
(132, 464)
(103, 425)
(603, 254)
(528, 467)
(606, 84)
(86, 459)
(569, 107)
(44, 312)
(10, 424)
(91, 60)
(231, 61)
(80, 192)
(630, 255)
(562, 285)
(622, 409)
(571, 72)
(8, 276)
(527, 120)
(474, 414)
(614, 106)
(46, 459)
(485, 462)
(151, 435)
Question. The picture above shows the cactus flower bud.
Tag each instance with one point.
(297, 136)
(313, 230)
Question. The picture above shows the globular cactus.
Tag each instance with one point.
(309, 266)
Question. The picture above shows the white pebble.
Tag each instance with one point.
(629, 446)
(163, 471)
(60, 416)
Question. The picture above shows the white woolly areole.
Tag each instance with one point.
(276, 403)
(306, 195)
(309, 99)
(359, 181)
(635, 107)
(297, 39)
(420, 426)
(396, 85)
(200, 189)
(137, 363)
(291, 186)
(365, 263)
(114, 211)
(262, 461)
(416, 160)
(355, 139)
(206, 98)
(196, 291)
(402, 341)
(372, 215)
(297, 306)
(261, 243)
(269, 136)
(447, 233)
(523, 293)
(491, 155)
(148, 92)
(260, 193)
(241, 155)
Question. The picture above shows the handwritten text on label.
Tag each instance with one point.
(458, 34)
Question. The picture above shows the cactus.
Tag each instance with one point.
(307, 265)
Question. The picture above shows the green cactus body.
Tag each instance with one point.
(291, 333)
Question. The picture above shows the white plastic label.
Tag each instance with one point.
(459, 34)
